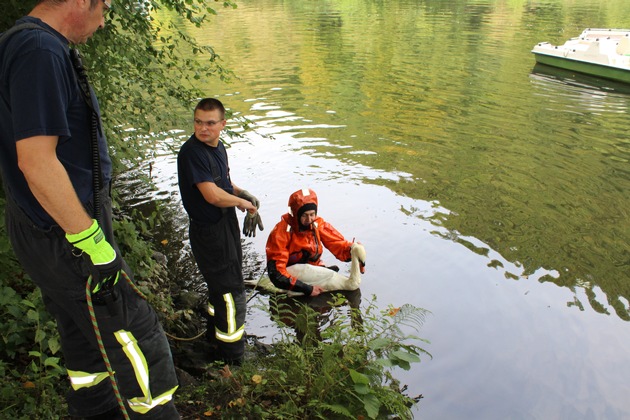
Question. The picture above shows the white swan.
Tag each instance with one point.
(326, 278)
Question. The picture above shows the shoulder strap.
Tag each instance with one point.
(16, 28)
(74, 58)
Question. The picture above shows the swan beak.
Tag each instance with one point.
(362, 267)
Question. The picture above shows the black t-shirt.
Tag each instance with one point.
(194, 166)
(40, 96)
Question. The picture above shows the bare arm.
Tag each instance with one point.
(50, 184)
(219, 198)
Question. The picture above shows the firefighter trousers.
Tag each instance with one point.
(133, 338)
(219, 256)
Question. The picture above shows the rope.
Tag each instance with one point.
(101, 346)
(185, 339)
(256, 293)
(253, 295)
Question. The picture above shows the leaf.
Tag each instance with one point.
(379, 343)
(385, 363)
(32, 315)
(39, 336)
(238, 402)
(371, 405)
(358, 378)
(28, 303)
(51, 361)
(53, 345)
(338, 409)
(393, 311)
(362, 389)
(406, 356)
(403, 364)
(225, 372)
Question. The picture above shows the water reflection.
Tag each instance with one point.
(308, 316)
(605, 95)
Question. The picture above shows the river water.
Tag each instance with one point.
(490, 191)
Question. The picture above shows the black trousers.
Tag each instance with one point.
(217, 250)
(132, 335)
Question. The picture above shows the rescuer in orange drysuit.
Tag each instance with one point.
(299, 238)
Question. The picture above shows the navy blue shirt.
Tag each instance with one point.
(40, 96)
(193, 167)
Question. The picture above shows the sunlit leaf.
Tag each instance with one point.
(403, 355)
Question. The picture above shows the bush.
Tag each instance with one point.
(343, 371)
(29, 358)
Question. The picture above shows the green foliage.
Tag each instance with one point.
(29, 377)
(345, 370)
(149, 72)
(132, 234)
(8, 261)
(24, 320)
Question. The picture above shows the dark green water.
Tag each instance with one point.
(487, 190)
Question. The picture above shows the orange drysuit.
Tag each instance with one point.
(289, 243)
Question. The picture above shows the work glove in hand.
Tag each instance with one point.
(250, 223)
(245, 195)
(106, 262)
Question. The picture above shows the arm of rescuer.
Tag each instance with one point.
(218, 197)
(49, 182)
(277, 250)
(334, 241)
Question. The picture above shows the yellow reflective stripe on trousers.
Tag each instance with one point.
(136, 358)
(232, 333)
(80, 379)
(210, 309)
(144, 405)
(146, 402)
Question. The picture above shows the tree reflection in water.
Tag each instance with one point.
(308, 316)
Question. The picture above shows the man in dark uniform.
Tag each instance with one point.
(210, 198)
(61, 228)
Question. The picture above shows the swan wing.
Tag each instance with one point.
(264, 283)
(327, 279)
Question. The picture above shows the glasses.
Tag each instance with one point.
(206, 123)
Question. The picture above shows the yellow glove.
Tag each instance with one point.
(106, 261)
